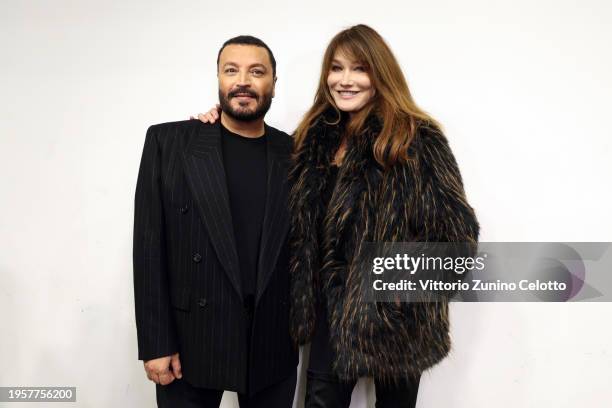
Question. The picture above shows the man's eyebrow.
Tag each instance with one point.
(257, 64)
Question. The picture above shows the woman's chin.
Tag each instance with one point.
(348, 107)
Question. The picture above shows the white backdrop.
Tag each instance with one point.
(523, 89)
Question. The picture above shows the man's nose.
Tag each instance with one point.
(244, 79)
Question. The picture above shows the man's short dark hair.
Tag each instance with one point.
(249, 40)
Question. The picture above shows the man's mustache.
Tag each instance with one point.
(247, 91)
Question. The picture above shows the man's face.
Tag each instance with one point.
(246, 82)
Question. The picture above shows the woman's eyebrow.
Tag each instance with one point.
(335, 61)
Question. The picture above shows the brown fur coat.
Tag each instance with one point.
(422, 200)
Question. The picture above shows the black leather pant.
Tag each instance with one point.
(324, 389)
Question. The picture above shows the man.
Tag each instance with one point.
(210, 247)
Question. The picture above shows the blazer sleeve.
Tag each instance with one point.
(445, 216)
(445, 211)
(155, 327)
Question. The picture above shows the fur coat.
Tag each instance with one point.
(421, 201)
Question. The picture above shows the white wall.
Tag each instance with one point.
(523, 89)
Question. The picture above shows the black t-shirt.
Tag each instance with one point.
(246, 173)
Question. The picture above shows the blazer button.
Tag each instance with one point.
(202, 302)
(197, 258)
(184, 209)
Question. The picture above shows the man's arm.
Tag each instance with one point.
(155, 327)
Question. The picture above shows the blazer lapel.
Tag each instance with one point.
(276, 214)
(205, 175)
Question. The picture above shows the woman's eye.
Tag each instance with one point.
(336, 68)
(360, 68)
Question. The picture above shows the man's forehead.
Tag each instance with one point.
(244, 54)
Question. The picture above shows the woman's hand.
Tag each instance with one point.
(209, 117)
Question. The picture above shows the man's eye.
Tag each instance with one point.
(230, 70)
(258, 72)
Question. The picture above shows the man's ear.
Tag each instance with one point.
(274, 87)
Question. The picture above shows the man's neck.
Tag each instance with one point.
(252, 129)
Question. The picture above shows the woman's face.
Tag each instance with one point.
(349, 83)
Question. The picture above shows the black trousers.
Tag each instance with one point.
(324, 389)
(181, 394)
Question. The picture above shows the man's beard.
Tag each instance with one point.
(244, 114)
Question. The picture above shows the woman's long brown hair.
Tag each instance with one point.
(392, 101)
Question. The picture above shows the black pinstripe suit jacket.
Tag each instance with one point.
(188, 294)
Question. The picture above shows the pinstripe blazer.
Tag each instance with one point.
(187, 289)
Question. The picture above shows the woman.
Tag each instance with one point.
(370, 166)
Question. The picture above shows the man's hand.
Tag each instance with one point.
(164, 370)
(209, 117)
